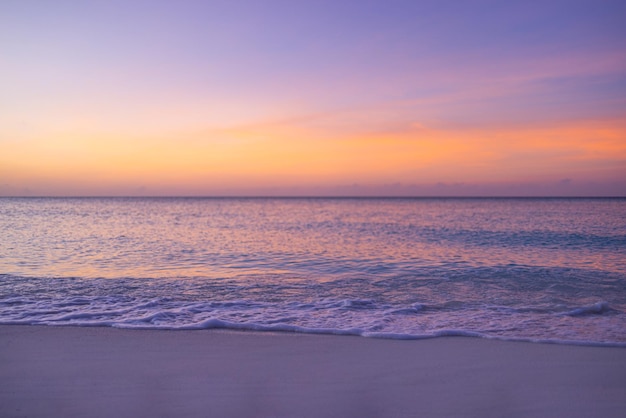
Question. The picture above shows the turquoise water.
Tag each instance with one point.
(531, 269)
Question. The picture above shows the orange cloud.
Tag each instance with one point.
(288, 154)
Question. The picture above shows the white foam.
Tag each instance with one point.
(367, 317)
(595, 309)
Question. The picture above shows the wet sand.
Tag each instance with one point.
(105, 372)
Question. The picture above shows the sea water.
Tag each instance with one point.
(510, 268)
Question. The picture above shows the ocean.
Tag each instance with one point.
(532, 269)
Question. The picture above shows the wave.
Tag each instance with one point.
(598, 308)
(356, 317)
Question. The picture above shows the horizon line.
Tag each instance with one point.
(310, 197)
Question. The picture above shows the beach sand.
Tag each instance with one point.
(106, 372)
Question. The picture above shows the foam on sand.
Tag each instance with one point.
(103, 372)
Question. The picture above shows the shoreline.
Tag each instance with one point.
(225, 326)
(101, 371)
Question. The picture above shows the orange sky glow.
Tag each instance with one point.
(378, 112)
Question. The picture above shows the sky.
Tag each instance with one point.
(323, 98)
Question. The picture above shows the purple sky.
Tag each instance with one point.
(506, 97)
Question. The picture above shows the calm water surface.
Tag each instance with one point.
(536, 269)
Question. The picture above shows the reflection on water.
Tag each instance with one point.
(319, 238)
(510, 268)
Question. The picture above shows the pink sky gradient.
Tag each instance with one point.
(312, 98)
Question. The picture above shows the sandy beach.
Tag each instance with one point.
(105, 372)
